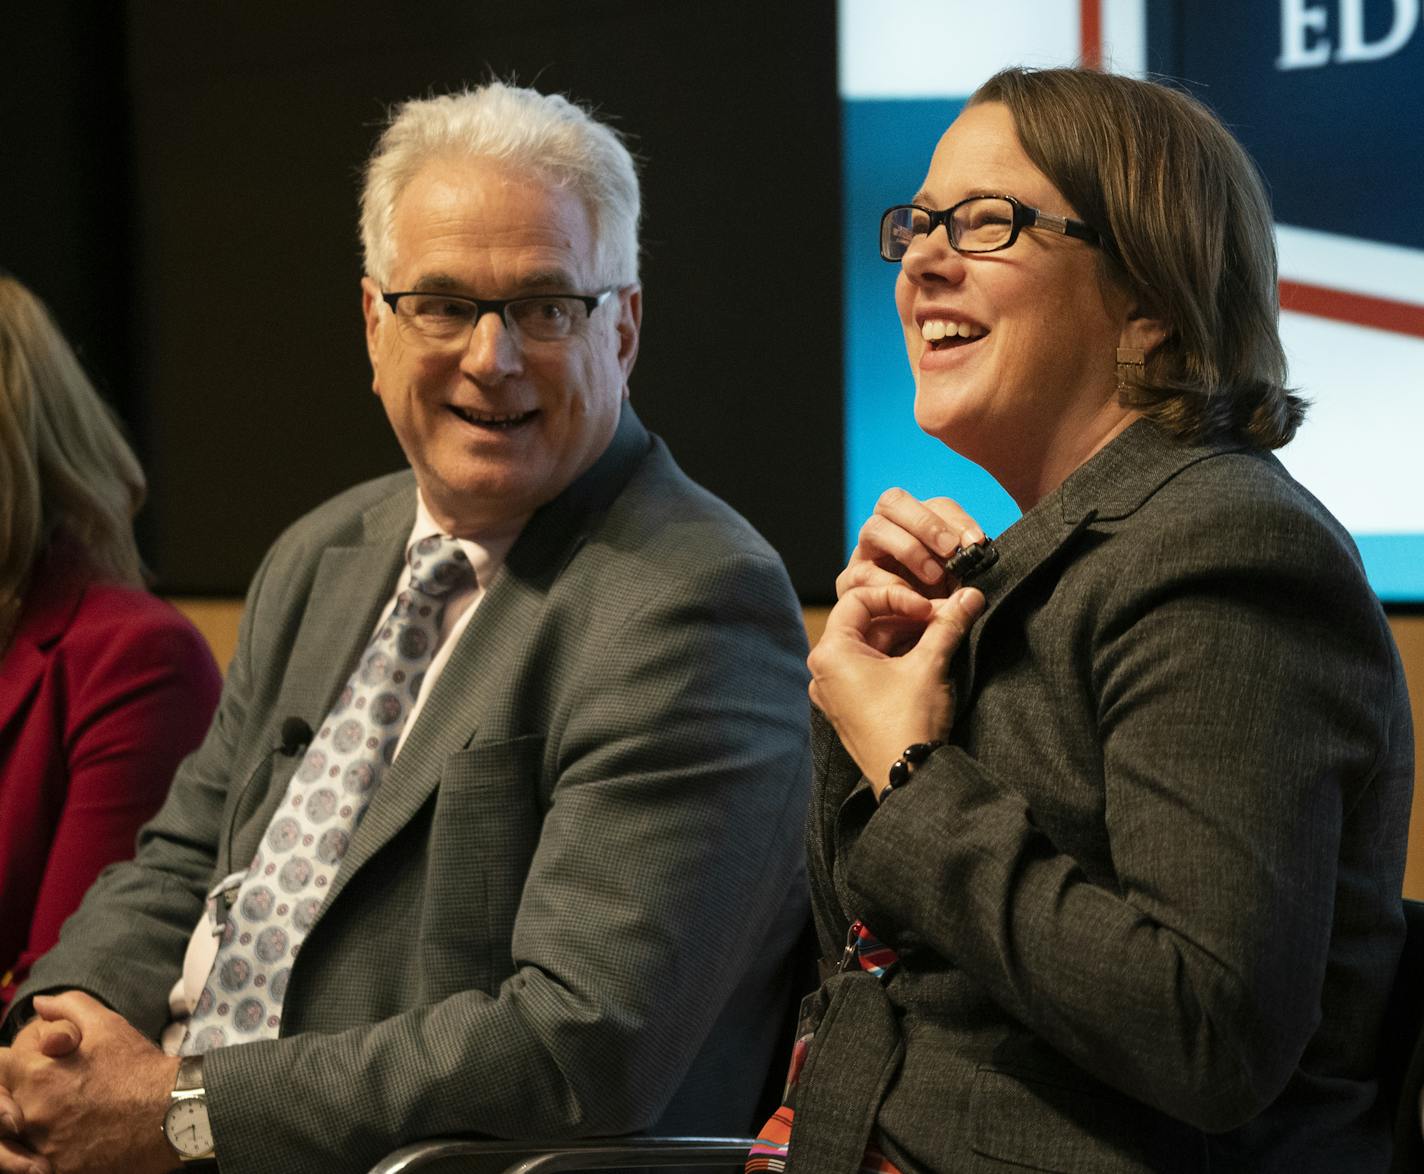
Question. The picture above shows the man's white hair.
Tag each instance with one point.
(542, 135)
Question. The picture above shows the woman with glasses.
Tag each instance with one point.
(1110, 812)
(103, 688)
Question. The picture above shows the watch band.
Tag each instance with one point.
(190, 1074)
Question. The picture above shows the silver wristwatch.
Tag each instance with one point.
(185, 1124)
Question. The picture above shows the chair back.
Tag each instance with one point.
(1402, 1047)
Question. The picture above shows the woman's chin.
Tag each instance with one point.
(945, 417)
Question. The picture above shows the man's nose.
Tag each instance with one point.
(492, 352)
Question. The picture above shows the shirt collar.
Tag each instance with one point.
(486, 551)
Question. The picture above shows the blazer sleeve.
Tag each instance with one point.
(835, 775)
(670, 845)
(141, 688)
(1243, 712)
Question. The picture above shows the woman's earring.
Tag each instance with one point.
(1131, 362)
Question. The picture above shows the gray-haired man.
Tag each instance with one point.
(537, 871)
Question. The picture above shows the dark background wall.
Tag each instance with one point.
(180, 183)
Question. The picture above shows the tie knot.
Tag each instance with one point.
(438, 566)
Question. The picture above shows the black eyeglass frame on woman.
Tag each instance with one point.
(955, 225)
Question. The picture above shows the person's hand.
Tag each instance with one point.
(906, 541)
(15, 1155)
(880, 702)
(44, 1037)
(49, 1037)
(89, 1092)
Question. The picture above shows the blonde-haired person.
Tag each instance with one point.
(1116, 825)
(103, 688)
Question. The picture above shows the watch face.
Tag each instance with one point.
(187, 1129)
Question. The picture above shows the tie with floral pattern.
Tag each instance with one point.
(280, 898)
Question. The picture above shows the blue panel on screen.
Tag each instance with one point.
(888, 144)
(1394, 563)
(1340, 140)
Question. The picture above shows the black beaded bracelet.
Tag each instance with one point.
(904, 766)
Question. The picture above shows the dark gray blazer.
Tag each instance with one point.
(1148, 898)
(568, 908)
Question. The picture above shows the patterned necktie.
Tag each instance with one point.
(280, 897)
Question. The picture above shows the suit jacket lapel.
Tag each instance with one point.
(1112, 484)
(1024, 547)
(493, 643)
(351, 586)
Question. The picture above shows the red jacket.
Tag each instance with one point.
(102, 691)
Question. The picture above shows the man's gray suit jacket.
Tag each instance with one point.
(569, 906)
(1148, 899)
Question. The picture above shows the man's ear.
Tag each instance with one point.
(371, 307)
(630, 322)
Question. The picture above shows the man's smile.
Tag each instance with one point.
(498, 420)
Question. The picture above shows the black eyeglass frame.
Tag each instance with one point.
(1024, 216)
(500, 306)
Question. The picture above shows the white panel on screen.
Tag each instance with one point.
(932, 48)
(1346, 262)
(1125, 37)
(1358, 450)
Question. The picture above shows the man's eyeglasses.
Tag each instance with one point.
(447, 320)
(980, 224)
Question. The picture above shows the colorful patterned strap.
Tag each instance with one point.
(872, 955)
(769, 1153)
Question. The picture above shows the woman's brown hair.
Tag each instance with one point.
(1189, 232)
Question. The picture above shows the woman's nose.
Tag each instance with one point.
(930, 258)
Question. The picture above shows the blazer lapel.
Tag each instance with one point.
(493, 643)
(1112, 484)
(20, 676)
(351, 586)
(472, 680)
(51, 600)
(1024, 547)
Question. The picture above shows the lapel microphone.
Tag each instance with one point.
(296, 736)
(968, 561)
